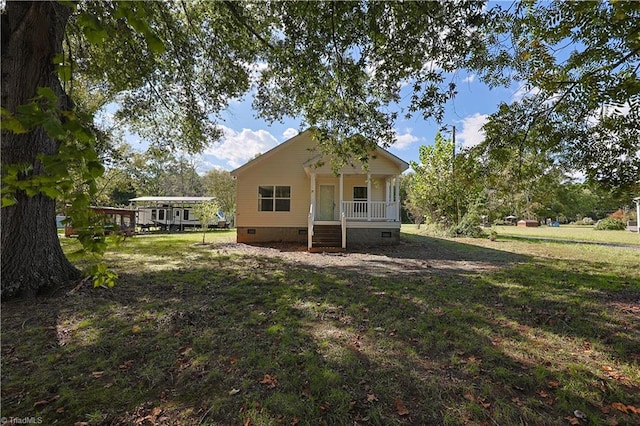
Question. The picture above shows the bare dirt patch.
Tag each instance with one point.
(407, 258)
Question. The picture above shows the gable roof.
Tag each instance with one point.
(403, 165)
(267, 154)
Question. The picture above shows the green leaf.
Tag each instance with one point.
(92, 28)
(95, 169)
(9, 123)
(155, 43)
(47, 93)
(64, 72)
(54, 128)
(50, 192)
(8, 200)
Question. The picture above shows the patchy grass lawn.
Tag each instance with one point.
(218, 334)
(576, 233)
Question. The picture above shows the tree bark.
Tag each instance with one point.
(32, 258)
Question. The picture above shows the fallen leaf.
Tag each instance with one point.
(60, 410)
(234, 391)
(270, 381)
(371, 397)
(126, 365)
(554, 384)
(620, 407)
(542, 393)
(247, 421)
(136, 329)
(43, 402)
(612, 421)
(633, 409)
(401, 408)
(295, 421)
(97, 374)
(81, 424)
(486, 405)
(572, 420)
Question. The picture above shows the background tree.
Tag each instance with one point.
(207, 213)
(220, 184)
(579, 62)
(432, 187)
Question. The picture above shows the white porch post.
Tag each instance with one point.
(341, 194)
(637, 200)
(313, 192)
(369, 197)
(387, 190)
(397, 199)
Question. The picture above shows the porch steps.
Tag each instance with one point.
(326, 238)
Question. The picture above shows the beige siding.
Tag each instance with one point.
(283, 167)
(381, 165)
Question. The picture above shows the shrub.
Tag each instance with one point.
(493, 235)
(610, 224)
(587, 221)
(466, 230)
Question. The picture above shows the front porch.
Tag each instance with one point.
(360, 208)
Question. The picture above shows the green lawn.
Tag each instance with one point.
(508, 332)
(583, 233)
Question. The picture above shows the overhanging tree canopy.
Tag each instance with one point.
(579, 64)
(173, 66)
(340, 66)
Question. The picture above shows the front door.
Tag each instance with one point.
(327, 202)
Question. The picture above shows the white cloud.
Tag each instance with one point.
(405, 140)
(524, 91)
(236, 148)
(469, 78)
(472, 133)
(289, 133)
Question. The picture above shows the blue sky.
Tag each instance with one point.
(245, 135)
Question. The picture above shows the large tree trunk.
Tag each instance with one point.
(32, 258)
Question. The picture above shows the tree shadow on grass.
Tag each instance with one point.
(279, 342)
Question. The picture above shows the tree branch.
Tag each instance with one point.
(230, 5)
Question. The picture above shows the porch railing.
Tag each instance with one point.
(310, 228)
(370, 210)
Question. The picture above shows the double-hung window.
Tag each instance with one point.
(274, 198)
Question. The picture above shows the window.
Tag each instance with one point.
(360, 194)
(186, 214)
(160, 214)
(274, 198)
